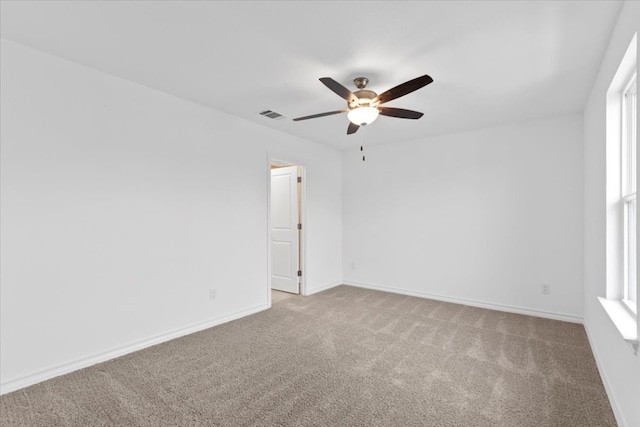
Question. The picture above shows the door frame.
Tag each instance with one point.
(281, 160)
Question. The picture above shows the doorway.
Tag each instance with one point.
(286, 227)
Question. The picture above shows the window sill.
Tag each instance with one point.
(624, 320)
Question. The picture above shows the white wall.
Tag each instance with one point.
(486, 216)
(122, 206)
(619, 367)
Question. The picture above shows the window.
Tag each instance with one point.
(621, 300)
(629, 199)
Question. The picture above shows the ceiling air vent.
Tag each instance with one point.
(271, 114)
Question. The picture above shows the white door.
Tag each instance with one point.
(284, 229)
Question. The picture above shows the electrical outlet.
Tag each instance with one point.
(353, 265)
(545, 289)
(212, 294)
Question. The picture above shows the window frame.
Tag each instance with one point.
(618, 199)
(628, 202)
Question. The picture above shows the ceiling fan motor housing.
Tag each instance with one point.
(364, 98)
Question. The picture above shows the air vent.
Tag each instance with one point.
(271, 114)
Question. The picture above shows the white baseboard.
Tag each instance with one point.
(321, 288)
(25, 381)
(473, 303)
(617, 412)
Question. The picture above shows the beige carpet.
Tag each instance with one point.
(344, 357)
(277, 296)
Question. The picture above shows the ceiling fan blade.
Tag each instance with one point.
(340, 90)
(353, 128)
(403, 89)
(400, 113)
(315, 116)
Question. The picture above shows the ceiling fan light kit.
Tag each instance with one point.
(363, 116)
(364, 105)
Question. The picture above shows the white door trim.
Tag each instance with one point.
(282, 160)
(285, 231)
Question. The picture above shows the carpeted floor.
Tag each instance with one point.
(277, 296)
(343, 357)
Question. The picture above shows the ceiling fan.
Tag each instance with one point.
(364, 105)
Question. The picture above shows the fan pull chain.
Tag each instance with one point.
(362, 143)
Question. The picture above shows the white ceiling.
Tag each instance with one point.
(492, 62)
